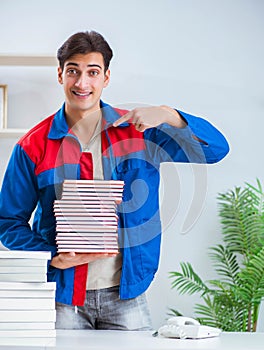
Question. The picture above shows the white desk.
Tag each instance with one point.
(115, 340)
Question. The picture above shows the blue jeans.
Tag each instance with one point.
(103, 309)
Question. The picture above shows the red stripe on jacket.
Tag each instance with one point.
(124, 140)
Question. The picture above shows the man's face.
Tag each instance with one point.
(83, 79)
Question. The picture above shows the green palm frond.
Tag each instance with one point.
(174, 312)
(188, 280)
(252, 277)
(226, 292)
(207, 313)
(232, 302)
(225, 262)
(257, 191)
(241, 220)
(216, 312)
(258, 200)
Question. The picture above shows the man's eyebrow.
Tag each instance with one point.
(94, 65)
(88, 65)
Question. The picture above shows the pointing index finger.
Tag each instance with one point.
(123, 119)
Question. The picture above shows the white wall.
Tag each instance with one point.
(201, 56)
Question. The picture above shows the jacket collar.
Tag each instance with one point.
(60, 129)
(110, 115)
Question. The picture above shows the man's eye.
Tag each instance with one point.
(72, 72)
(94, 73)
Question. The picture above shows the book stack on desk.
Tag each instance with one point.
(27, 300)
(86, 219)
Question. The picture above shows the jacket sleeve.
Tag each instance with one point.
(18, 199)
(170, 144)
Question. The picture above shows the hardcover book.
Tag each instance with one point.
(22, 254)
(86, 218)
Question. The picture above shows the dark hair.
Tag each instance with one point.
(83, 43)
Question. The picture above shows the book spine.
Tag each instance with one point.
(23, 262)
(23, 277)
(27, 293)
(22, 254)
(27, 316)
(27, 286)
(23, 269)
(26, 325)
(27, 304)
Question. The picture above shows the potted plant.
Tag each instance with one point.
(232, 301)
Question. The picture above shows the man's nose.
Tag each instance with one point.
(82, 81)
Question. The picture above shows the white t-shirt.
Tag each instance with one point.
(102, 273)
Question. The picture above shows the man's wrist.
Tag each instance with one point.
(174, 118)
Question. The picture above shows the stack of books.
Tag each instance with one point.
(86, 219)
(27, 300)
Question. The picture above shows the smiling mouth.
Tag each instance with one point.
(81, 94)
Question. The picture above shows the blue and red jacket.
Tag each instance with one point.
(50, 153)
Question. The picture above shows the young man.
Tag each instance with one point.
(89, 139)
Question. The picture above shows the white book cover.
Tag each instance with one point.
(76, 191)
(84, 197)
(27, 316)
(23, 262)
(84, 216)
(93, 189)
(26, 325)
(88, 210)
(88, 195)
(27, 304)
(86, 228)
(86, 250)
(79, 240)
(89, 245)
(83, 220)
(71, 214)
(23, 269)
(79, 193)
(27, 293)
(86, 235)
(94, 202)
(23, 277)
(94, 182)
(76, 201)
(89, 250)
(28, 286)
(91, 242)
(86, 224)
(102, 203)
(28, 333)
(22, 254)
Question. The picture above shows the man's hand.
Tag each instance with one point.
(66, 260)
(148, 117)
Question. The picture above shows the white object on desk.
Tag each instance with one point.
(187, 328)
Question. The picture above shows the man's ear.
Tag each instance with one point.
(107, 78)
(60, 80)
